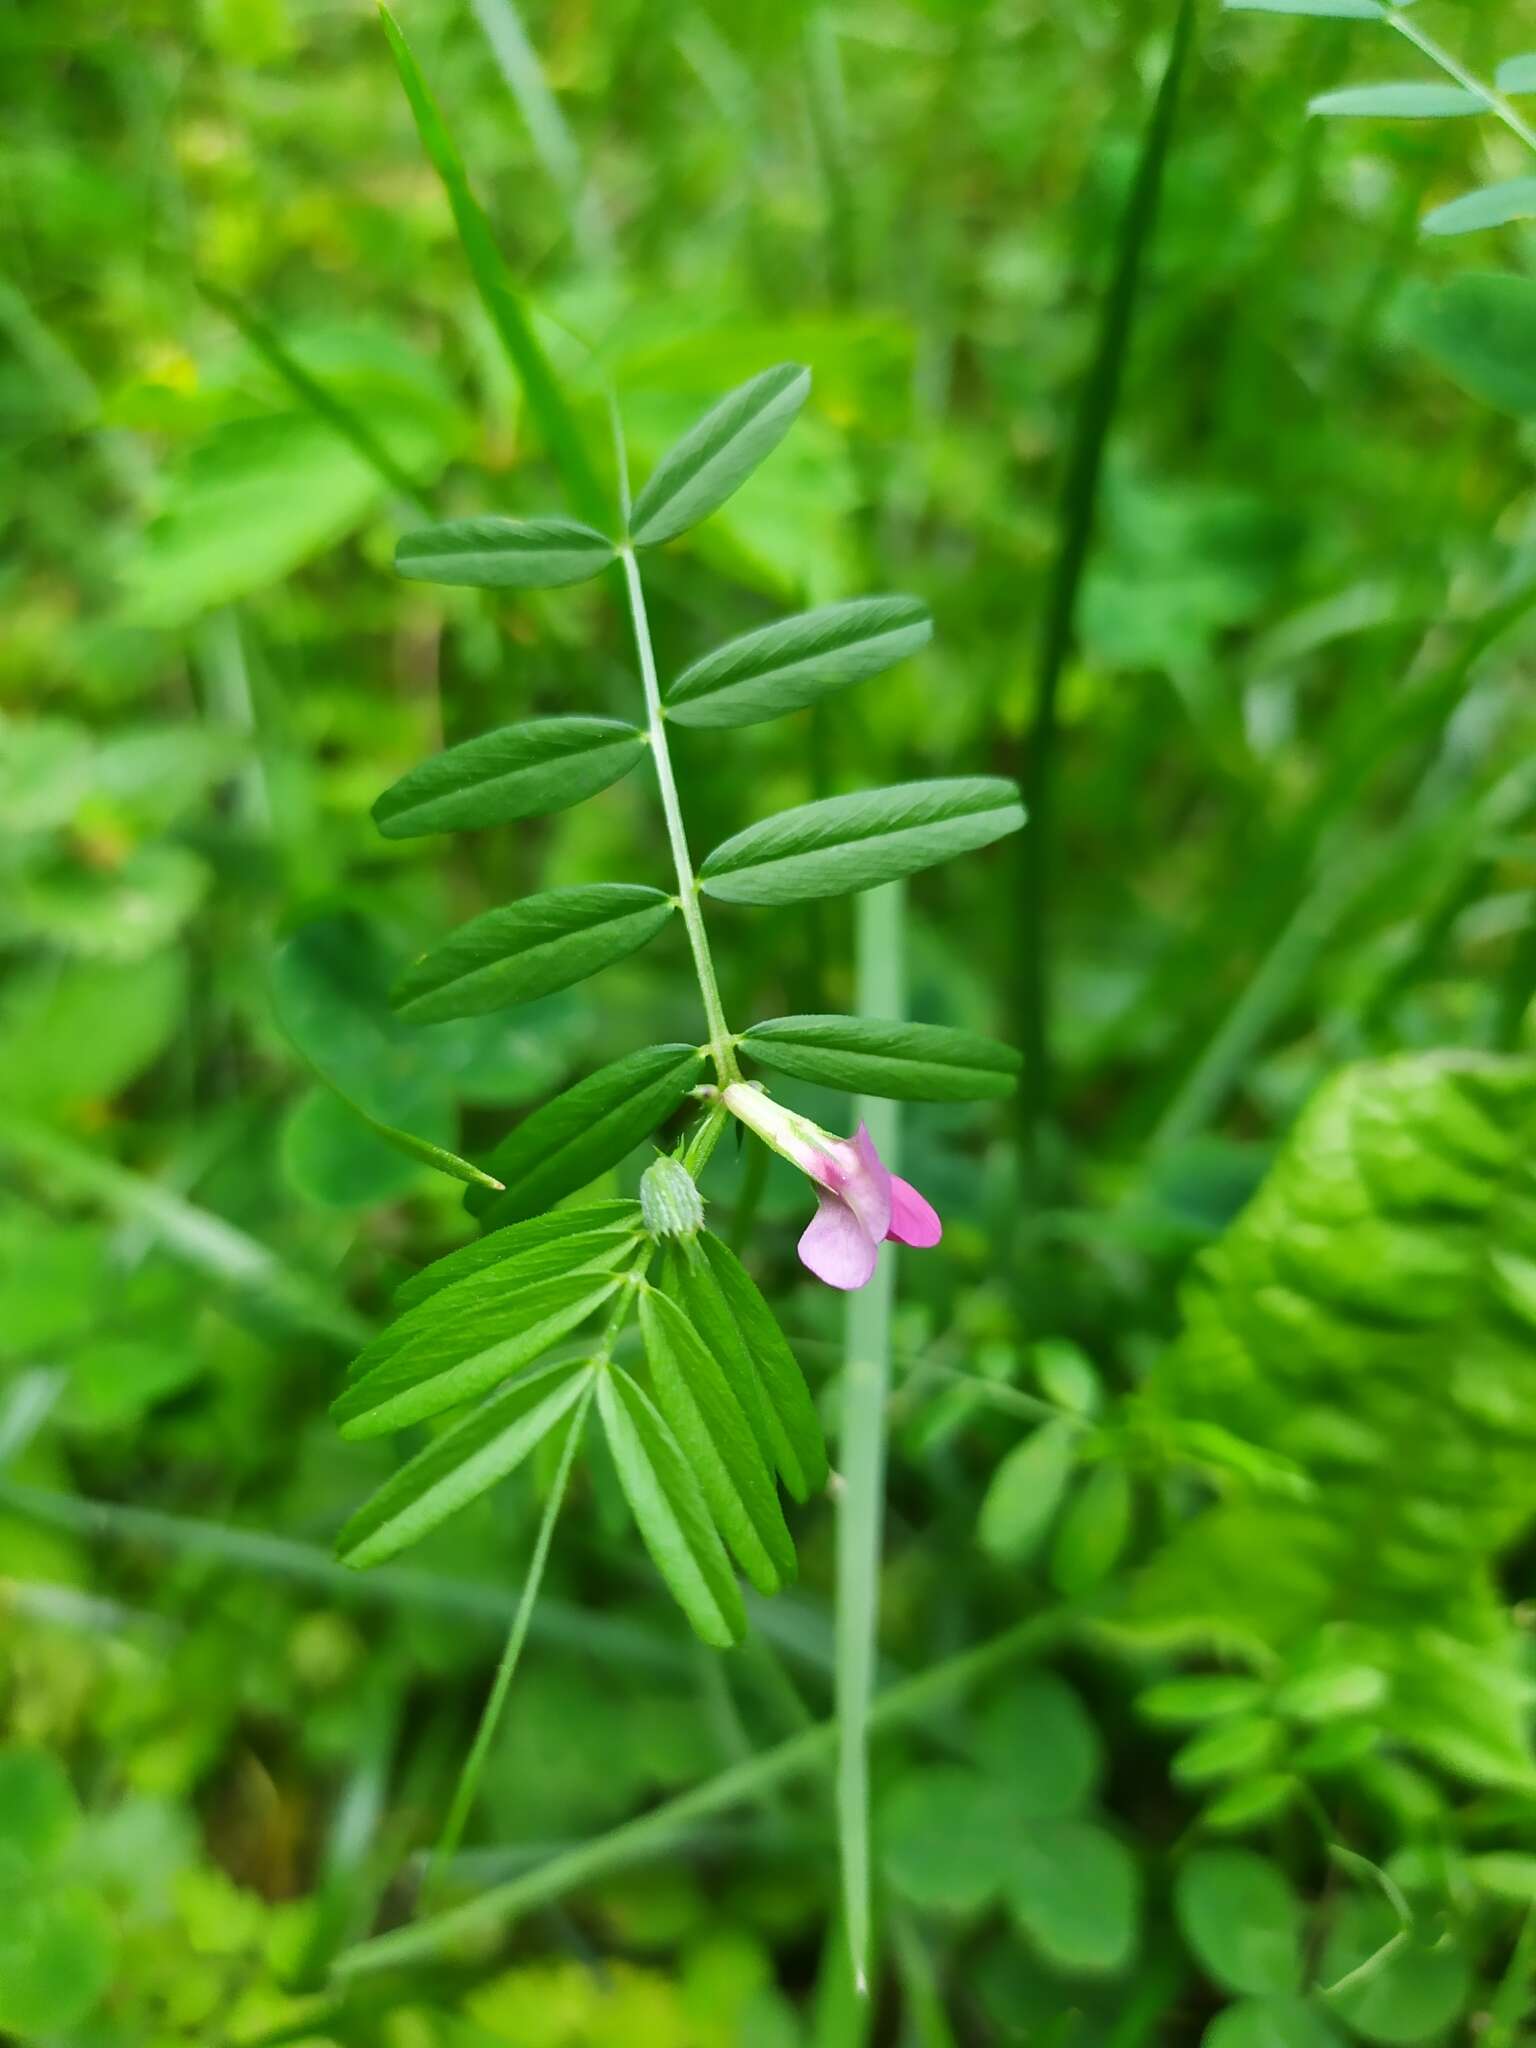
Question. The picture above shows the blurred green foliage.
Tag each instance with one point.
(1275, 1458)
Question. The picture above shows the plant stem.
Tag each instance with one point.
(721, 1048)
(861, 1446)
(637, 1837)
(474, 1764)
(1494, 100)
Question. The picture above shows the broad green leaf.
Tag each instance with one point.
(940, 1841)
(669, 1510)
(613, 1219)
(1271, 2023)
(843, 843)
(1492, 206)
(38, 1808)
(715, 458)
(1414, 1993)
(1093, 1531)
(738, 1326)
(1075, 1891)
(57, 1952)
(799, 1450)
(1026, 1490)
(460, 1465)
(468, 1351)
(327, 992)
(696, 1399)
(906, 1062)
(334, 1158)
(1241, 1919)
(528, 949)
(1402, 102)
(592, 1126)
(504, 554)
(546, 402)
(76, 1032)
(449, 1319)
(782, 667)
(1517, 75)
(257, 498)
(1336, 10)
(522, 771)
(1482, 331)
(1040, 1742)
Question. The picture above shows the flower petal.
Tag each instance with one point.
(913, 1220)
(834, 1246)
(866, 1186)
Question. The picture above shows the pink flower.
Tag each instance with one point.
(860, 1203)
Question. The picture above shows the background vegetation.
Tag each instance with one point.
(1205, 1706)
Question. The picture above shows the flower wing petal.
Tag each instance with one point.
(913, 1220)
(834, 1245)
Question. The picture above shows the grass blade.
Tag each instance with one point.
(324, 404)
(546, 401)
(1075, 522)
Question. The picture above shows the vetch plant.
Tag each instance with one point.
(530, 1322)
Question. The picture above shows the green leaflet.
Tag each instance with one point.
(546, 402)
(1370, 1320)
(1482, 331)
(781, 667)
(504, 554)
(1516, 75)
(1416, 101)
(1337, 10)
(460, 1465)
(1026, 1490)
(905, 1062)
(449, 1316)
(844, 843)
(580, 1134)
(1491, 206)
(669, 1510)
(528, 949)
(722, 1301)
(1016, 1827)
(715, 458)
(1240, 1917)
(521, 771)
(614, 1219)
(706, 1417)
(326, 990)
(460, 1350)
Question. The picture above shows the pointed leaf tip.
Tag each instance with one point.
(716, 456)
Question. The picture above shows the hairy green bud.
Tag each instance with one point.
(670, 1203)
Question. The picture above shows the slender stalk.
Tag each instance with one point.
(623, 1845)
(880, 992)
(349, 424)
(1493, 99)
(721, 1047)
(490, 1719)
